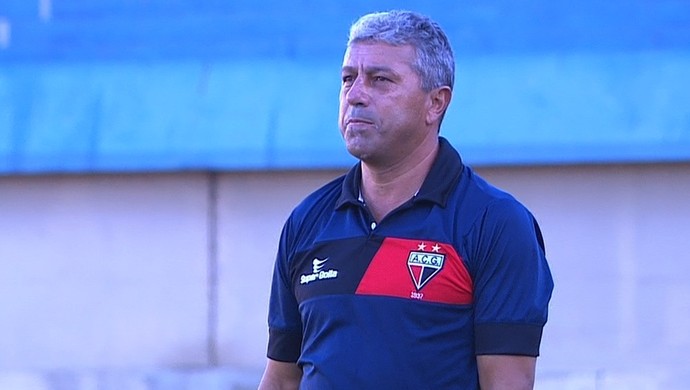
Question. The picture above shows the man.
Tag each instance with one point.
(409, 272)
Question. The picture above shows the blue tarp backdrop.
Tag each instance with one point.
(101, 86)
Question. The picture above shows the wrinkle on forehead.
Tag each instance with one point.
(380, 54)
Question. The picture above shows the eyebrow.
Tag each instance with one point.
(371, 70)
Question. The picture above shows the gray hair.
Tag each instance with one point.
(434, 63)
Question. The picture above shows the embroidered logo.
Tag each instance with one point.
(317, 272)
(318, 264)
(424, 265)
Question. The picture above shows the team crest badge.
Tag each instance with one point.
(423, 265)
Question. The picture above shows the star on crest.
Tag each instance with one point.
(421, 246)
(435, 248)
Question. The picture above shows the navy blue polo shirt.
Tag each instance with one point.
(457, 271)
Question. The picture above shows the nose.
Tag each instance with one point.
(357, 94)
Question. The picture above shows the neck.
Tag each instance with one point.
(386, 188)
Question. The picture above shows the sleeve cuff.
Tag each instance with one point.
(507, 339)
(284, 345)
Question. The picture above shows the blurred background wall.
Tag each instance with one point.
(151, 150)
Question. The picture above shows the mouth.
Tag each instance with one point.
(358, 121)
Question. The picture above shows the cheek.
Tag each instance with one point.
(415, 110)
(341, 114)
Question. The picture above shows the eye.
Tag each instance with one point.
(381, 79)
(347, 79)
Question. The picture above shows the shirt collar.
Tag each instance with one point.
(437, 186)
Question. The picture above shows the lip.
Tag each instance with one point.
(356, 121)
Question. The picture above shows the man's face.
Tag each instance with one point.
(382, 106)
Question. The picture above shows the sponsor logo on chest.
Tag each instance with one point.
(318, 272)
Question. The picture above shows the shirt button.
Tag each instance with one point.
(373, 225)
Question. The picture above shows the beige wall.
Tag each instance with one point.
(618, 240)
(167, 273)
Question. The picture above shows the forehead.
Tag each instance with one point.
(368, 54)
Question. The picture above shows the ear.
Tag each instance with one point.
(439, 99)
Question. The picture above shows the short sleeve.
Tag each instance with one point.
(284, 323)
(512, 281)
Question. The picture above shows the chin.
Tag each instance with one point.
(361, 147)
(356, 152)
